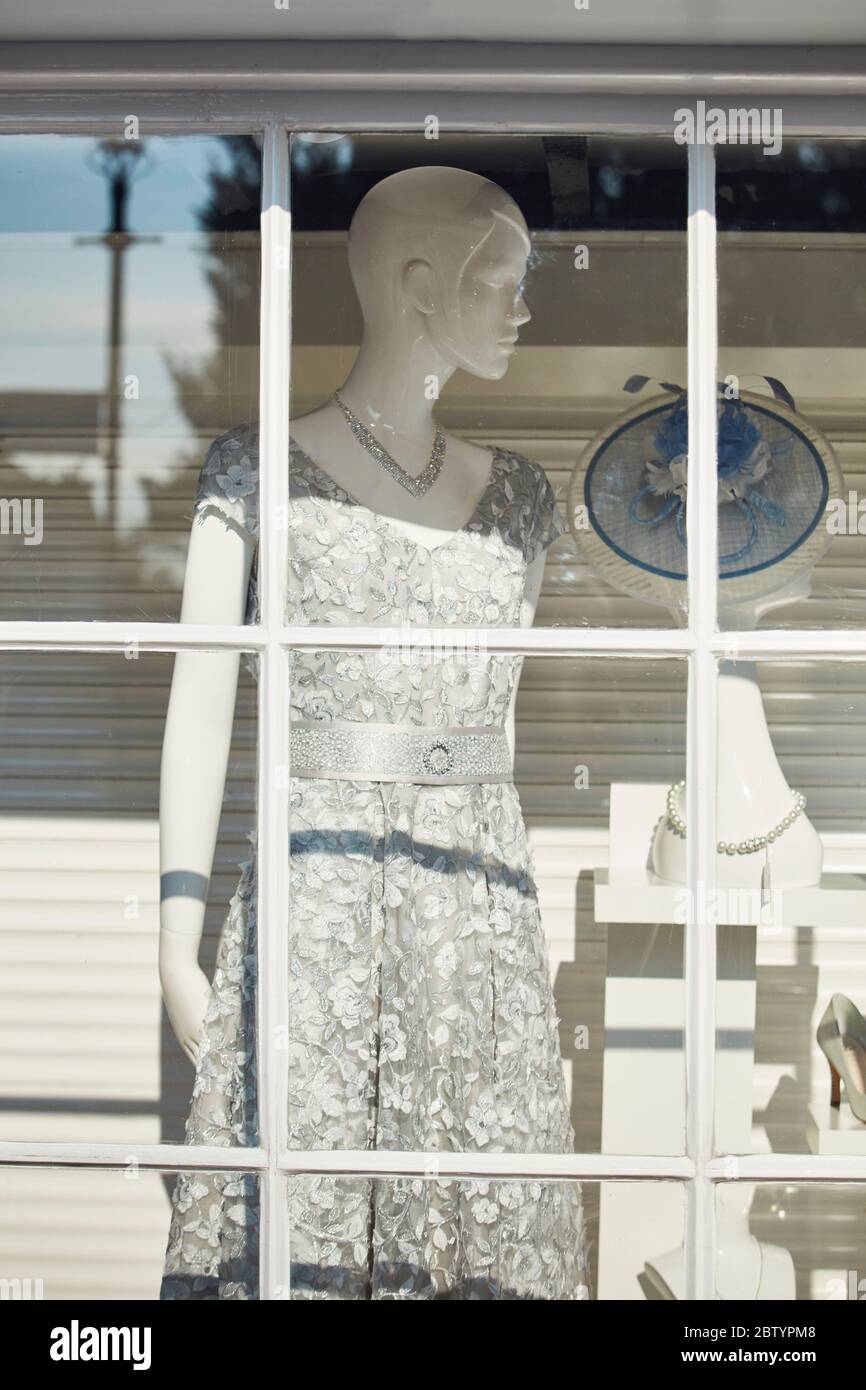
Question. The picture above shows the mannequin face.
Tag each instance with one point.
(475, 320)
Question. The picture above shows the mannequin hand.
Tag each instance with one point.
(185, 990)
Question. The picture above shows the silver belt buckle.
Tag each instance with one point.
(438, 758)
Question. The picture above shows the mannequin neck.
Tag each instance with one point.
(739, 1257)
(750, 777)
(732, 1232)
(733, 1204)
(389, 387)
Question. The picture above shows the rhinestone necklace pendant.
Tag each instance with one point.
(416, 486)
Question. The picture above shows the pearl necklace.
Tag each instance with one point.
(749, 846)
(429, 473)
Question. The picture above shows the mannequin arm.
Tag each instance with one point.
(532, 589)
(198, 730)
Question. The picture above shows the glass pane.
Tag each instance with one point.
(129, 286)
(480, 963)
(521, 293)
(789, 907)
(786, 1241)
(792, 307)
(483, 1239)
(103, 1234)
(86, 1052)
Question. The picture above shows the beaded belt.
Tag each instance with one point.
(341, 749)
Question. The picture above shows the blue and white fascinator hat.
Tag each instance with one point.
(628, 498)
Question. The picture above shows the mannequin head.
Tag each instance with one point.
(437, 257)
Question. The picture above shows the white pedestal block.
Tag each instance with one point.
(638, 895)
(643, 1102)
(832, 1131)
(636, 1221)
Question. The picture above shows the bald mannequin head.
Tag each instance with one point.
(442, 252)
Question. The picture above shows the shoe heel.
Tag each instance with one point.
(835, 1086)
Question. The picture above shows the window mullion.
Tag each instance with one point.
(560, 641)
(701, 752)
(273, 747)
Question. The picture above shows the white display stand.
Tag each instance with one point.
(643, 1107)
(837, 900)
(643, 1104)
(832, 1131)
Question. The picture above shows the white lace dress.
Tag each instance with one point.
(421, 1009)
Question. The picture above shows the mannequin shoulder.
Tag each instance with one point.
(243, 437)
(228, 481)
(526, 496)
(525, 474)
(231, 463)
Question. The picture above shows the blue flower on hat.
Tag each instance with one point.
(744, 459)
(743, 455)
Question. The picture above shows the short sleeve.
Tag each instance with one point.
(228, 484)
(547, 523)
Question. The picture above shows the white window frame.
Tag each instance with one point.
(635, 92)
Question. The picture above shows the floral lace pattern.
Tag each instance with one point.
(213, 1238)
(421, 1010)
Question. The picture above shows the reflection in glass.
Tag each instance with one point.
(100, 1234)
(481, 1239)
(786, 1241)
(129, 340)
(550, 271)
(213, 1240)
(792, 303)
(83, 1053)
(448, 957)
(437, 1239)
(789, 906)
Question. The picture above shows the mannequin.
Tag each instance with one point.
(420, 1004)
(424, 316)
(746, 1269)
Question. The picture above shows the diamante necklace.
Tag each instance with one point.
(749, 846)
(429, 473)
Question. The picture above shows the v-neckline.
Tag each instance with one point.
(386, 522)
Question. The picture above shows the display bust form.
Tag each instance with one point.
(437, 256)
(746, 1268)
(753, 794)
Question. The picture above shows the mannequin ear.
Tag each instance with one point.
(419, 286)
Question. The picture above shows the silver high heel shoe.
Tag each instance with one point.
(842, 1039)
